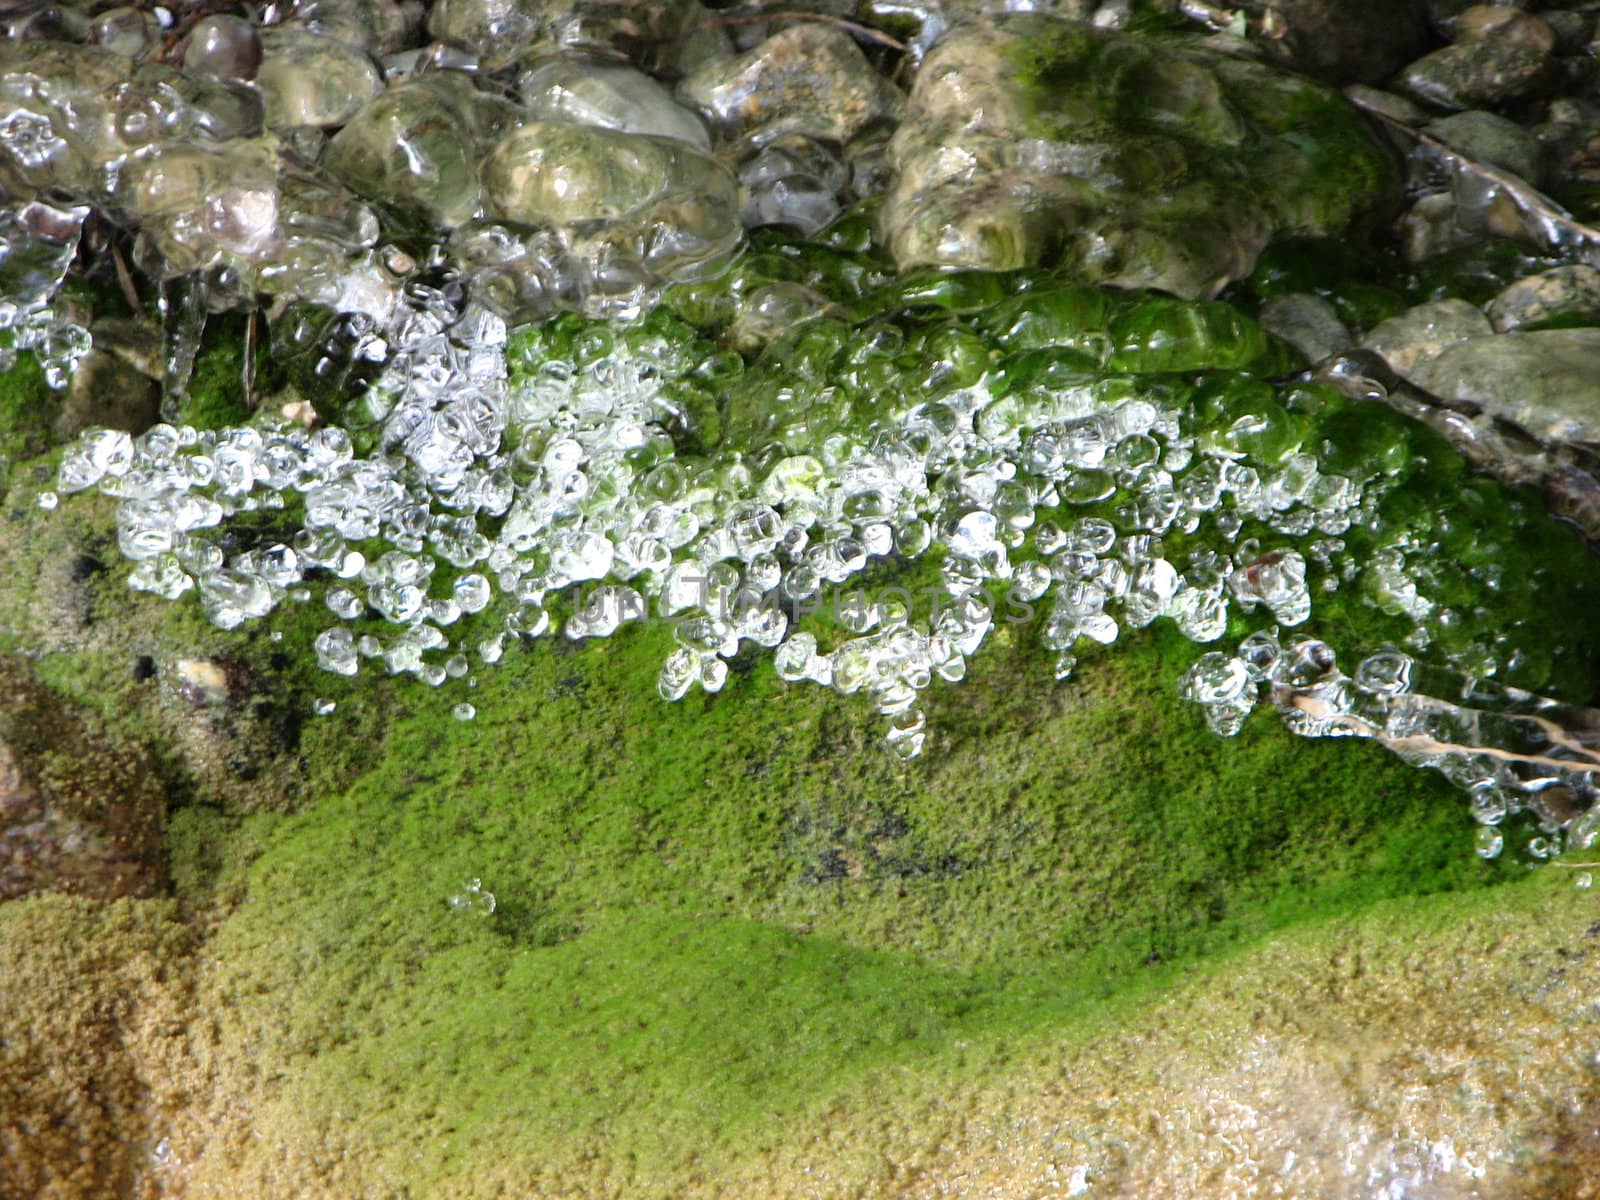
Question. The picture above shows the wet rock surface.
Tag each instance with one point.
(1547, 382)
(1122, 160)
(1563, 294)
(1423, 333)
(1481, 71)
(810, 79)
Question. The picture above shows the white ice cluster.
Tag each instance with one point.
(37, 244)
(495, 498)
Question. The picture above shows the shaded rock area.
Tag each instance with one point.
(1343, 41)
(80, 812)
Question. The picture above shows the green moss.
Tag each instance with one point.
(715, 912)
(27, 410)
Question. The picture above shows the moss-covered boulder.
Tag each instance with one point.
(1127, 160)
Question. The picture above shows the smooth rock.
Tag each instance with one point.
(125, 30)
(225, 46)
(810, 79)
(596, 216)
(1307, 322)
(611, 94)
(1571, 293)
(1547, 382)
(1422, 333)
(1392, 105)
(559, 172)
(1125, 160)
(1504, 22)
(311, 80)
(1478, 73)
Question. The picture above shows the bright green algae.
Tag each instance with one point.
(718, 913)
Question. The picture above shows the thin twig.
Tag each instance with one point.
(860, 31)
(125, 279)
(249, 371)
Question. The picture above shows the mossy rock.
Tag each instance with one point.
(1132, 160)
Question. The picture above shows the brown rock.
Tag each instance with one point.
(96, 1008)
(1346, 41)
(80, 812)
(1503, 21)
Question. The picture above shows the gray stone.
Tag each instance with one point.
(1489, 138)
(1547, 382)
(1391, 104)
(1478, 73)
(1421, 334)
(594, 91)
(1308, 323)
(1570, 293)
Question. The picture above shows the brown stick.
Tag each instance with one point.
(125, 280)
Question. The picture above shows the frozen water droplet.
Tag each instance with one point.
(472, 898)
